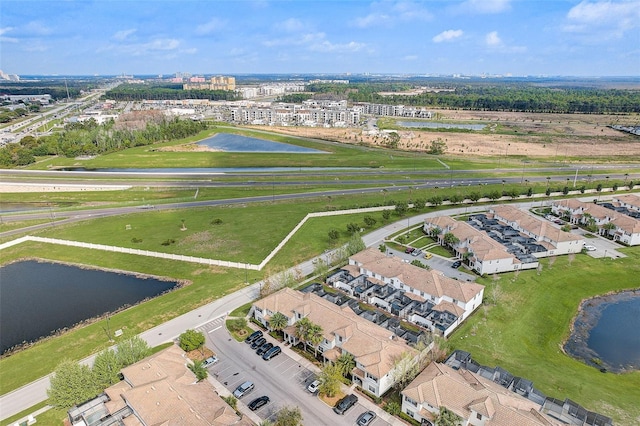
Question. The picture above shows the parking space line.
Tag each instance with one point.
(217, 328)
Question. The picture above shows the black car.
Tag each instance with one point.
(271, 353)
(258, 342)
(258, 402)
(345, 403)
(264, 348)
(456, 264)
(253, 336)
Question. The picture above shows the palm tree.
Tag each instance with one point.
(278, 321)
(302, 328)
(315, 337)
(345, 363)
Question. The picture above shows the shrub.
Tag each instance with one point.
(199, 370)
(237, 324)
(191, 339)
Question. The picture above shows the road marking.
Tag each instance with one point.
(217, 328)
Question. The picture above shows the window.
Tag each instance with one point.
(410, 401)
(372, 389)
(478, 416)
(410, 413)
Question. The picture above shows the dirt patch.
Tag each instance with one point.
(507, 134)
(331, 400)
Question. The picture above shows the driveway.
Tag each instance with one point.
(604, 247)
(436, 262)
(284, 379)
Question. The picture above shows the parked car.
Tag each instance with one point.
(345, 403)
(366, 418)
(209, 361)
(264, 348)
(253, 336)
(428, 255)
(416, 252)
(258, 402)
(274, 351)
(259, 342)
(313, 386)
(409, 250)
(590, 248)
(456, 264)
(243, 389)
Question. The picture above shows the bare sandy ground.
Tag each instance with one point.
(530, 135)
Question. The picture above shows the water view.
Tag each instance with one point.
(236, 143)
(607, 332)
(37, 298)
(434, 125)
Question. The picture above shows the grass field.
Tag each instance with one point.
(525, 331)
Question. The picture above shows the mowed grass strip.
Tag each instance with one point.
(207, 284)
(525, 331)
(237, 233)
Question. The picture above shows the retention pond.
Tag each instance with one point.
(38, 299)
(606, 332)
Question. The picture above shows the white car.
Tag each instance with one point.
(313, 387)
(590, 248)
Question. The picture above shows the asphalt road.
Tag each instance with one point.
(283, 379)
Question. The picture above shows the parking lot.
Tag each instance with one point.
(283, 379)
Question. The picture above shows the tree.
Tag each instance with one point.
(405, 369)
(401, 208)
(450, 239)
(199, 370)
(345, 363)
(330, 379)
(315, 337)
(191, 340)
(289, 416)
(474, 197)
(436, 200)
(369, 221)
(71, 384)
(302, 328)
(132, 350)
(547, 192)
(437, 147)
(599, 187)
(565, 190)
(609, 227)
(236, 324)
(435, 231)
(447, 417)
(494, 195)
(320, 268)
(456, 199)
(333, 234)
(530, 192)
(106, 368)
(392, 140)
(355, 244)
(352, 228)
(278, 321)
(386, 214)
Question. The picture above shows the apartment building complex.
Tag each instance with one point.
(618, 219)
(375, 349)
(423, 297)
(214, 83)
(506, 239)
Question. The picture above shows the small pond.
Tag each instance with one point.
(235, 143)
(39, 298)
(606, 332)
(435, 125)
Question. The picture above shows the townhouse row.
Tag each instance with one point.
(504, 240)
(618, 220)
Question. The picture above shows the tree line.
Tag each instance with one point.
(90, 138)
(517, 97)
(137, 92)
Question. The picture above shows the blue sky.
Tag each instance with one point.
(517, 37)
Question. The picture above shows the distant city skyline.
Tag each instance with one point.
(469, 37)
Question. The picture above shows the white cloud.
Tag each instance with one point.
(327, 46)
(213, 25)
(447, 35)
(5, 30)
(123, 34)
(290, 25)
(603, 19)
(37, 28)
(155, 46)
(410, 57)
(492, 39)
(388, 14)
(485, 6)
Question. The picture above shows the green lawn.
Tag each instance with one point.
(524, 333)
